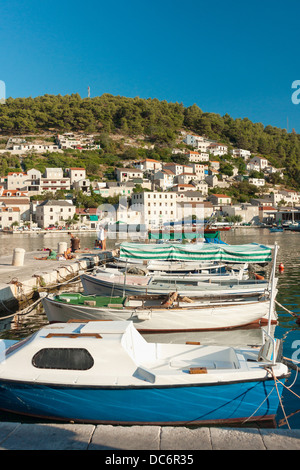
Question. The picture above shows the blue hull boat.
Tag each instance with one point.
(106, 372)
(170, 405)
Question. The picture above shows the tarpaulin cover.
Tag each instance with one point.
(250, 253)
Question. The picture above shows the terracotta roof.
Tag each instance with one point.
(13, 193)
(149, 160)
(14, 200)
(9, 209)
(220, 195)
(267, 208)
(89, 211)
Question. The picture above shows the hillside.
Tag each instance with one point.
(159, 122)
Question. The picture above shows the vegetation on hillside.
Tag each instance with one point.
(158, 121)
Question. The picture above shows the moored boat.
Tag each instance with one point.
(118, 284)
(105, 372)
(160, 313)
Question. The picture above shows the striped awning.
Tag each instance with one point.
(250, 253)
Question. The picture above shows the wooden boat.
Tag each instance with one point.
(105, 372)
(160, 313)
(110, 284)
(175, 268)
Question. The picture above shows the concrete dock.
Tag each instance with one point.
(19, 284)
(24, 436)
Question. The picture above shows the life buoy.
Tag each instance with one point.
(281, 267)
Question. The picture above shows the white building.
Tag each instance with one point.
(220, 199)
(245, 154)
(190, 196)
(199, 169)
(16, 180)
(191, 139)
(257, 181)
(248, 212)
(16, 199)
(76, 174)
(186, 178)
(54, 180)
(260, 161)
(201, 186)
(155, 208)
(36, 147)
(52, 212)
(164, 179)
(199, 210)
(148, 165)
(196, 157)
(252, 166)
(218, 149)
(127, 174)
(76, 141)
(8, 216)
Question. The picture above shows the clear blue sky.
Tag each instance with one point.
(231, 56)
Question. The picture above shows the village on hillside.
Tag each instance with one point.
(150, 192)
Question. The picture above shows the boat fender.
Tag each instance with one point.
(281, 267)
(171, 299)
(259, 277)
(187, 299)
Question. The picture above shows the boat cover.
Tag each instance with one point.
(249, 253)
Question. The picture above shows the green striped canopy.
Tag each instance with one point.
(251, 253)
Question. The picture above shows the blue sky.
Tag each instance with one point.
(233, 57)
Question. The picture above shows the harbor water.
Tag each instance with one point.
(288, 296)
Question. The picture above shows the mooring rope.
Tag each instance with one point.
(279, 397)
(287, 310)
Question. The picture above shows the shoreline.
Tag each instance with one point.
(20, 285)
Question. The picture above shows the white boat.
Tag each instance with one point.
(182, 267)
(221, 273)
(105, 372)
(118, 284)
(159, 314)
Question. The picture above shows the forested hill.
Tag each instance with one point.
(159, 121)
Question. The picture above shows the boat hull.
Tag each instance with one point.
(169, 405)
(164, 319)
(101, 286)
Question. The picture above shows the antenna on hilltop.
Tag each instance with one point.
(89, 92)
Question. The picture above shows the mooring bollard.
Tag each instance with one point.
(62, 248)
(18, 257)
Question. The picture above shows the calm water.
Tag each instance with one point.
(288, 295)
